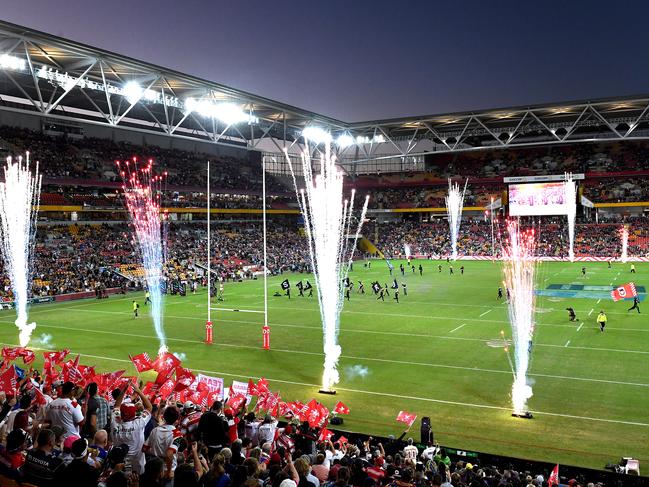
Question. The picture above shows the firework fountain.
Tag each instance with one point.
(519, 269)
(454, 206)
(624, 237)
(327, 222)
(570, 196)
(142, 190)
(407, 251)
(19, 200)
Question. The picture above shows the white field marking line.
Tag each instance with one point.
(457, 328)
(370, 359)
(591, 311)
(238, 310)
(580, 325)
(488, 311)
(567, 343)
(431, 317)
(599, 300)
(397, 396)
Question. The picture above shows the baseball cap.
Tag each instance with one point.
(188, 405)
(69, 441)
(127, 412)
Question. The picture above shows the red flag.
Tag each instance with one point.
(262, 386)
(167, 388)
(623, 292)
(39, 397)
(164, 365)
(236, 400)
(149, 389)
(28, 356)
(109, 380)
(406, 417)
(55, 357)
(554, 476)
(252, 388)
(340, 408)
(282, 409)
(8, 382)
(325, 435)
(184, 378)
(342, 440)
(314, 414)
(142, 362)
(11, 353)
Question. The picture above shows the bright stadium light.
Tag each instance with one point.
(7, 61)
(317, 135)
(132, 91)
(344, 140)
(150, 95)
(228, 113)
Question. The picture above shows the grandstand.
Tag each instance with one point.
(78, 108)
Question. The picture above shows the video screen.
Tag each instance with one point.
(537, 199)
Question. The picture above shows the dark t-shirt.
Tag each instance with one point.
(79, 474)
(213, 429)
(40, 468)
(93, 406)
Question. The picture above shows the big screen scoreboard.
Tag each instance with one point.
(535, 199)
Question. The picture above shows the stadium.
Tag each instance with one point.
(214, 259)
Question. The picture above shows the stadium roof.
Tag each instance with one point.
(65, 80)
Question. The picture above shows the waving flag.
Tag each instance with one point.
(184, 378)
(55, 357)
(164, 365)
(325, 435)
(236, 400)
(623, 292)
(340, 408)
(406, 417)
(8, 382)
(554, 476)
(142, 362)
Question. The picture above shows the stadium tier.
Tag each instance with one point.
(255, 323)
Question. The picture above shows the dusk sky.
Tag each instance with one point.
(361, 60)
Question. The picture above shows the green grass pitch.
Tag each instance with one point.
(435, 353)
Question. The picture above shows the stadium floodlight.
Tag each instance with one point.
(132, 91)
(364, 139)
(150, 95)
(344, 140)
(7, 61)
(317, 135)
(228, 113)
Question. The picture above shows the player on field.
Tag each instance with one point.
(136, 306)
(147, 297)
(462, 270)
(500, 293)
(601, 320)
(583, 271)
(396, 295)
(450, 270)
(405, 288)
(421, 270)
(632, 268)
(439, 268)
(382, 294)
(609, 264)
(402, 269)
(636, 302)
(309, 287)
(571, 314)
(361, 287)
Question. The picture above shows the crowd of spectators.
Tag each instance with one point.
(83, 258)
(58, 432)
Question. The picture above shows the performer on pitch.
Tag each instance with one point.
(147, 297)
(636, 303)
(220, 296)
(361, 287)
(601, 320)
(450, 270)
(421, 270)
(265, 330)
(571, 314)
(286, 286)
(500, 293)
(402, 269)
(439, 268)
(405, 288)
(632, 268)
(462, 270)
(396, 295)
(308, 287)
(136, 306)
(381, 293)
(583, 271)
(300, 287)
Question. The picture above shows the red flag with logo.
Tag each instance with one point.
(28, 356)
(342, 440)
(142, 362)
(184, 378)
(11, 353)
(623, 292)
(8, 382)
(554, 476)
(252, 388)
(39, 397)
(325, 435)
(55, 357)
(236, 400)
(164, 365)
(340, 408)
(406, 417)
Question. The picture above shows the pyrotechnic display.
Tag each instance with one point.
(519, 267)
(331, 237)
(142, 194)
(19, 201)
(570, 198)
(454, 205)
